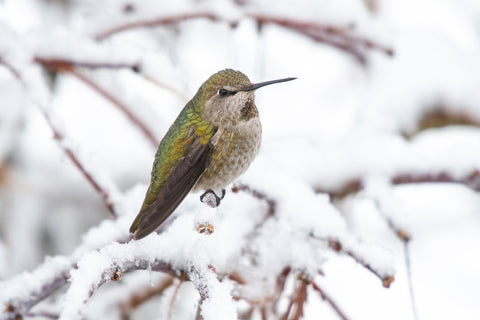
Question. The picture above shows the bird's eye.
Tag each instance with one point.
(223, 92)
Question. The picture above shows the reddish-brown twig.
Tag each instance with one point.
(78, 164)
(144, 295)
(60, 63)
(328, 299)
(167, 20)
(123, 108)
(297, 302)
(336, 246)
(471, 180)
(182, 279)
(59, 137)
(341, 38)
(63, 66)
(272, 204)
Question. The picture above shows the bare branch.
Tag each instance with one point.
(295, 307)
(60, 63)
(19, 306)
(59, 137)
(442, 116)
(341, 38)
(63, 66)
(84, 283)
(328, 299)
(335, 36)
(408, 267)
(272, 204)
(471, 180)
(168, 20)
(349, 187)
(145, 294)
(182, 279)
(336, 246)
(212, 293)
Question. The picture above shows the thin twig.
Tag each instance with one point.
(12, 70)
(295, 307)
(272, 204)
(108, 96)
(59, 63)
(405, 237)
(263, 312)
(408, 268)
(335, 36)
(93, 182)
(167, 20)
(471, 180)
(336, 246)
(147, 293)
(182, 279)
(137, 263)
(349, 187)
(166, 87)
(59, 137)
(328, 299)
(42, 315)
(21, 305)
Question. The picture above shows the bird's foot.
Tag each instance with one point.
(210, 198)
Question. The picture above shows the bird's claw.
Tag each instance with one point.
(210, 198)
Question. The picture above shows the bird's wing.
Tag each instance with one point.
(180, 181)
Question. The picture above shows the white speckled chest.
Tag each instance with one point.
(237, 143)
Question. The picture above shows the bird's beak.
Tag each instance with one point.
(266, 83)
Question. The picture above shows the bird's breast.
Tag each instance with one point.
(236, 144)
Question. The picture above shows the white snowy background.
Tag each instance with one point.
(348, 120)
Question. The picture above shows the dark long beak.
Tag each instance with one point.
(266, 83)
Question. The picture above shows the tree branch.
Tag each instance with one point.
(341, 38)
(61, 141)
(328, 299)
(144, 295)
(160, 21)
(66, 64)
(336, 246)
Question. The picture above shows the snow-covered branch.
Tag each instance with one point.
(338, 37)
(365, 169)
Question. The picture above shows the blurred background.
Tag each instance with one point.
(383, 118)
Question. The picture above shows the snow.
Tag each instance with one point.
(338, 123)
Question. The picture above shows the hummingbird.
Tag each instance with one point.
(213, 141)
